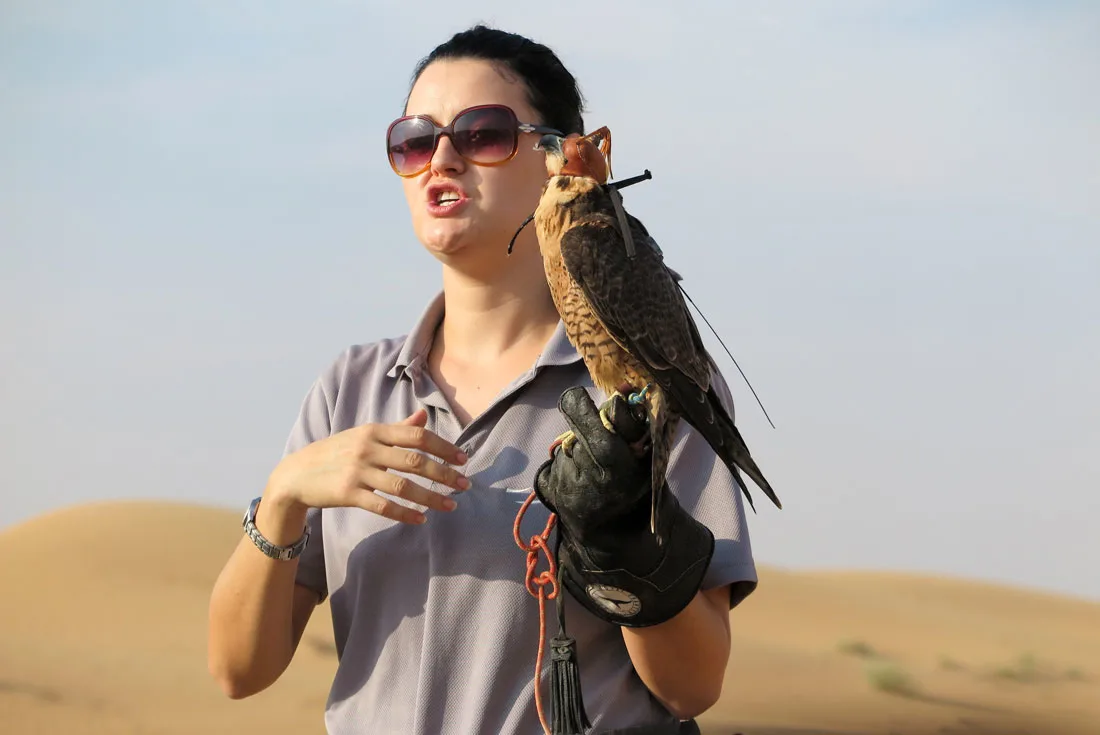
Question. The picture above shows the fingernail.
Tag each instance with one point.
(449, 504)
(461, 457)
(463, 483)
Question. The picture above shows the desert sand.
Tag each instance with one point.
(103, 630)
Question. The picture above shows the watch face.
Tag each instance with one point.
(250, 512)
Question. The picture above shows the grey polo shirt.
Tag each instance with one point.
(435, 631)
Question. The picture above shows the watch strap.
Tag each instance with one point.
(281, 553)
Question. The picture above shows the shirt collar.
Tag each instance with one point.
(419, 339)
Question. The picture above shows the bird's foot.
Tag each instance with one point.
(566, 442)
(603, 413)
(634, 398)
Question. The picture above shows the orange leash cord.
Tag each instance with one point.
(548, 577)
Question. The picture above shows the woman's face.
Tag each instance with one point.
(493, 201)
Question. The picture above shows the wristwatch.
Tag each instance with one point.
(282, 553)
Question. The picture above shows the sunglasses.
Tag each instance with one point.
(486, 135)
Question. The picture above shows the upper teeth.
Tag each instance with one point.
(448, 197)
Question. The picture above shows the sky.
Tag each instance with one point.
(890, 212)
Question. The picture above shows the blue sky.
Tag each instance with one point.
(890, 212)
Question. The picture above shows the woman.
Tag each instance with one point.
(435, 629)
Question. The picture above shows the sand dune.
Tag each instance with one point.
(102, 630)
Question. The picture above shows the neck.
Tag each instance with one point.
(490, 315)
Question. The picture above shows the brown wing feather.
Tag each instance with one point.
(637, 300)
(642, 308)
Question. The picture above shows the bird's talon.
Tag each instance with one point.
(566, 442)
(606, 407)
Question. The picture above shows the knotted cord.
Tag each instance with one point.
(538, 543)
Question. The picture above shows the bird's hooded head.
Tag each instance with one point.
(588, 156)
(577, 167)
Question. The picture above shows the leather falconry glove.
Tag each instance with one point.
(608, 558)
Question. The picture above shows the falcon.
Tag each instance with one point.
(624, 312)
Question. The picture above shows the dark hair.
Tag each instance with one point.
(551, 90)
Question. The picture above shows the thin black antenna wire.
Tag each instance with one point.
(715, 332)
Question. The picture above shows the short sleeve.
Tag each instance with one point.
(707, 489)
(314, 422)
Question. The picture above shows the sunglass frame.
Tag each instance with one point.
(439, 131)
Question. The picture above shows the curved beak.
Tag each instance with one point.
(550, 143)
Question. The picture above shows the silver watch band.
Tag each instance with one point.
(282, 553)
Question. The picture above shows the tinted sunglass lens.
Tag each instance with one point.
(411, 145)
(485, 136)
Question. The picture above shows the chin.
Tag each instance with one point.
(449, 241)
(473, 236)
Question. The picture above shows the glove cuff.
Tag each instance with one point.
(614, 592)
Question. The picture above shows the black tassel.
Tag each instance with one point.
(566, 703)
(569, 717)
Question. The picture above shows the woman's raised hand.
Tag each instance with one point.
(347, 468)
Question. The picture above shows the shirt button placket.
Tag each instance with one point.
(467, 449)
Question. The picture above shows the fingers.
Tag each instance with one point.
(401, 487)
(375, 503)
(408, 447)
(417, 437)
(417, 463)
(419, 417)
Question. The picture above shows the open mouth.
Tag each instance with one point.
(444, 198)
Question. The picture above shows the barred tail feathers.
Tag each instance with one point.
(662, 432)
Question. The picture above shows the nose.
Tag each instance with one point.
(446, 158)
